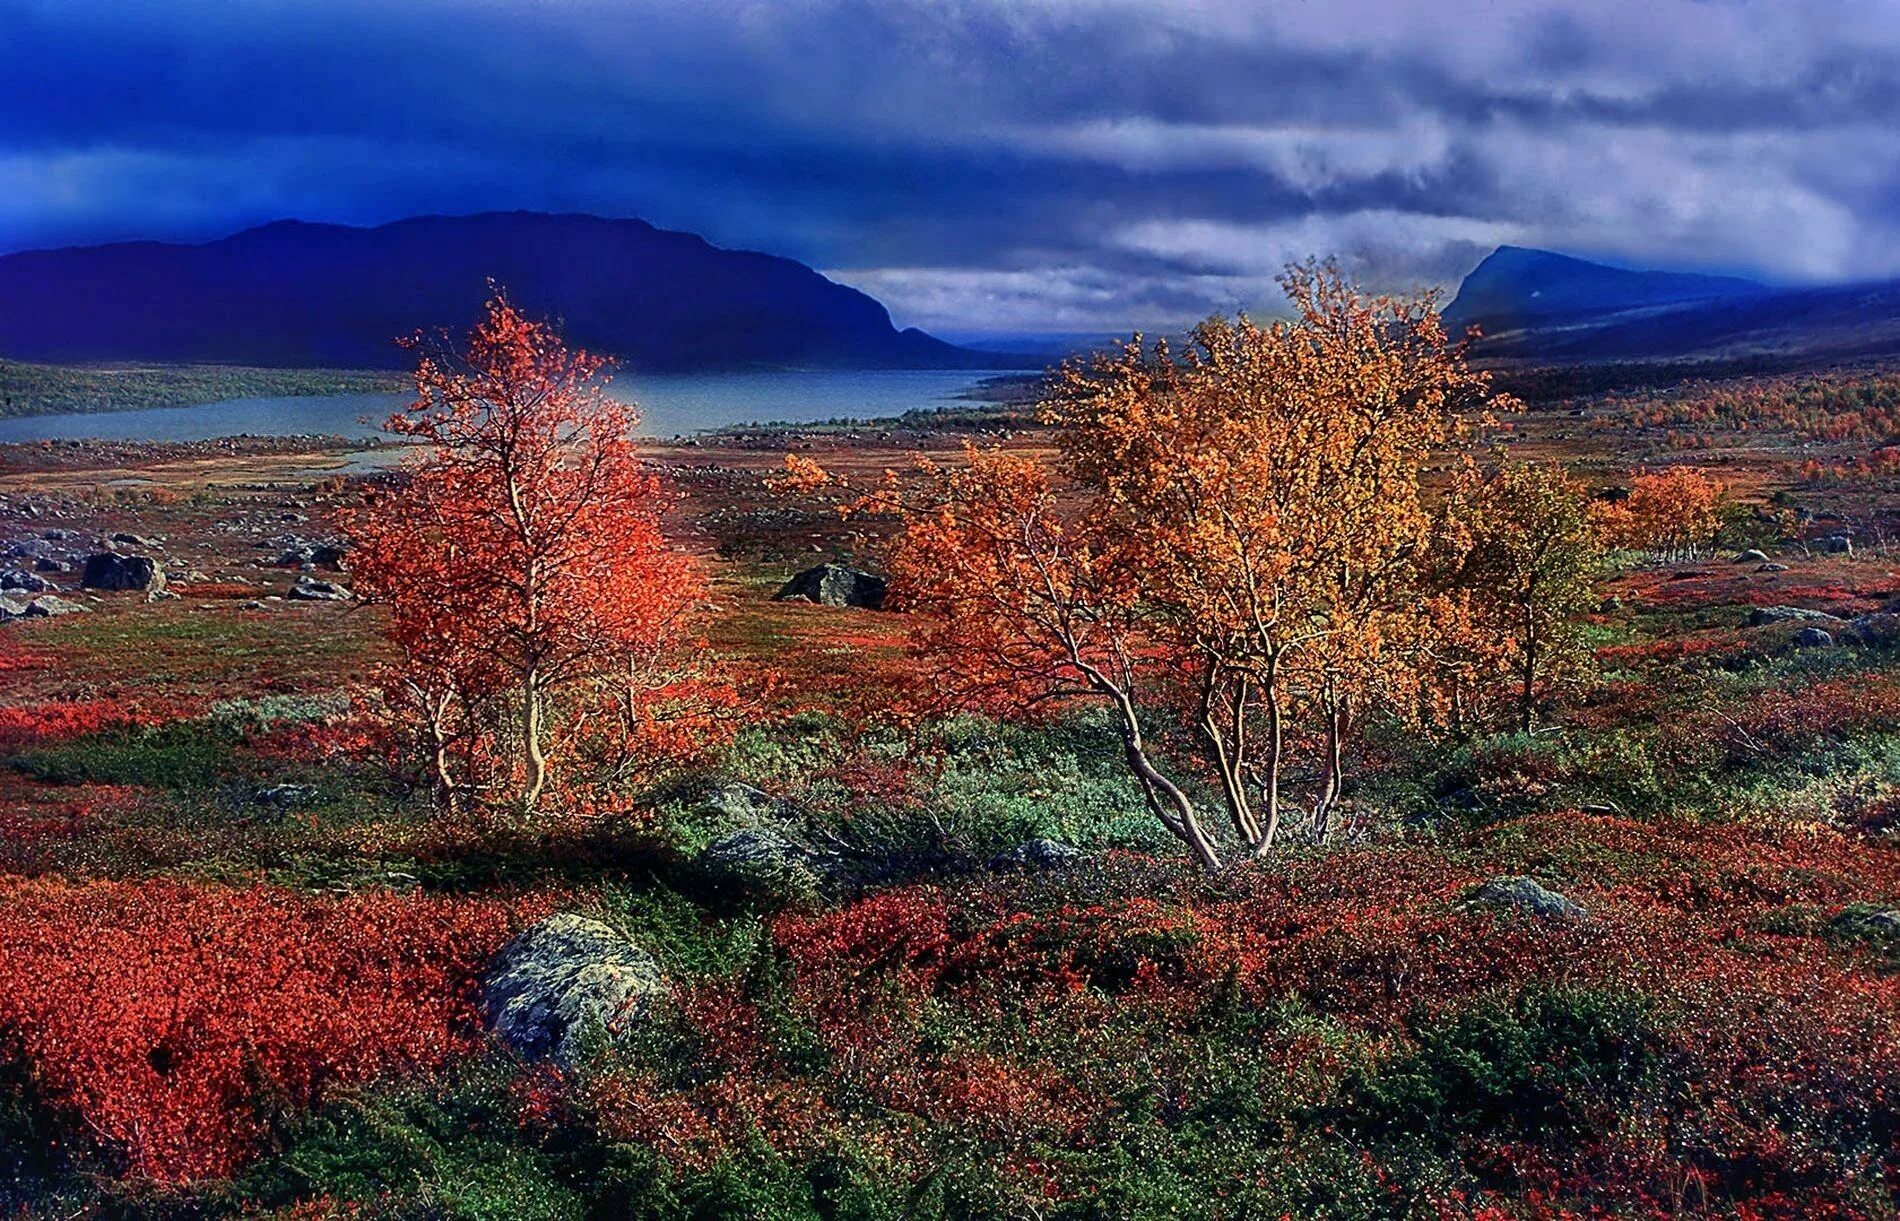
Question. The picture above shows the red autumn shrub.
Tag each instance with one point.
(160, 1012)
(24, 725)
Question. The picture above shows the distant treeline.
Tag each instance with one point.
(30, 389)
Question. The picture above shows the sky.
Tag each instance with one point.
(989, 165)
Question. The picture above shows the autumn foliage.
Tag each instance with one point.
(169, 1017)
(1673, 514)
(543, 619)
(1232, 536)
(1513, 572)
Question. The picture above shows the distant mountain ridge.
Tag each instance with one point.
(1539, 306)
(297, 294)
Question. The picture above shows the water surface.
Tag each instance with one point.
(669, 406)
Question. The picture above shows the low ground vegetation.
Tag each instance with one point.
(933, 957)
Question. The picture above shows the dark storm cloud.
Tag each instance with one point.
(1064, 163)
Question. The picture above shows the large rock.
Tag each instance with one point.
(1880, 628)
(13, 606)
(747, 803)
(32, 582)
(1813, 638)
(47, 605)
(1037, 855)
(317, 555)
(1869, 922)
(1529, 896)
(563, 985)
(766, 862)
(834, 585)
(1752, 556)
(1787, 614)
(315, 589)
(109, 570)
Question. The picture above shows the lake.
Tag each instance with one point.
(669, 406)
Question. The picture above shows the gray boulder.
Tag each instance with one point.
(1771, 566)
(1752, 556)
(1813, 638)
(1880, 628)
(320, 555)
(32, 582)
(109, 570)
(1038, 854)
(1787, 614)
(834, 585)
(565, 983)
(286, 795)
(315, 589)
(1870, 922)
(47, 605)
(1528, 896)
(766, 862)
(746, 803)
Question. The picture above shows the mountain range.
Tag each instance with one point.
(1538, 307)
(293, 294)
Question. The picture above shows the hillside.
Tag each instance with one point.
(1534, 305)
(293, 294)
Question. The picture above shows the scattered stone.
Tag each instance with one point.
(286, 795)
(319, 555)
(1037, 855)
(1787, 614)
(314, 589)
(109, 570)
(565, 983)
(1529, 896)
(47, 605)
(1771, 566)
(834, 585)
(134, 540)
(1752, 556)
(1880, 628)
(1813, 638)
(32, 582)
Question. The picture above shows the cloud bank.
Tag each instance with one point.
(989, 164)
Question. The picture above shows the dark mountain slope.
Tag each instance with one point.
(296, 294)
(1537, 306)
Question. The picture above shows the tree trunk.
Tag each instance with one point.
(1166, 795)
(1229, 759)
(532, 751)
(1276, 744)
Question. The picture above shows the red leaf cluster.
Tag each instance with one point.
(162, 1013)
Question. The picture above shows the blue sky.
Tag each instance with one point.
(989, 164)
